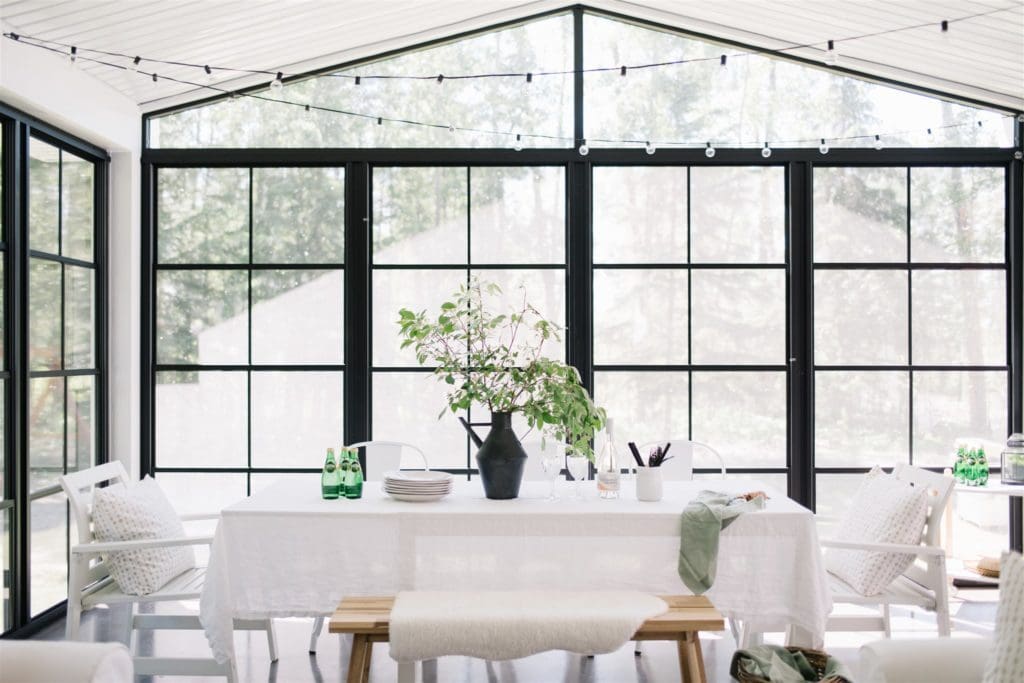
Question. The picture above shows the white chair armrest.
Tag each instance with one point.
(928, 659)
(97, 548)
(885, 547)
(199, 516)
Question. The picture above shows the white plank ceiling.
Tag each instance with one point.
(982, 58)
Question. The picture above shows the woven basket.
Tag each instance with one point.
(816, 658)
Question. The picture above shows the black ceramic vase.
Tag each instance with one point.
(500, 458)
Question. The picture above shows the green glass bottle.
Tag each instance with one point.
(960, 464)
(344, 467)
(330, 484)
(981, 468)
(970, 468)
(354, 482)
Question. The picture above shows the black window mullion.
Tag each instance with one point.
(357, 224)
(800, 222)
(248, 374)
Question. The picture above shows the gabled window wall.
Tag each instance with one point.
(809, 315)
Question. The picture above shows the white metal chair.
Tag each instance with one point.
(923, 584)
(90, 583)
(381, 457)
(680, 468)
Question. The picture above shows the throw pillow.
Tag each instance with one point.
(135, 513)
(884, 510)
(1006, 663)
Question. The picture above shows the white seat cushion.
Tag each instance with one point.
(134, 513)
(1006, 665)
(884, 510)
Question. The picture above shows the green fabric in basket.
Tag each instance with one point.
(779, 665)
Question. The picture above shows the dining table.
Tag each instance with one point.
(287, 552)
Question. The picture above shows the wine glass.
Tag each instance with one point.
(579, 467)
(551, 462)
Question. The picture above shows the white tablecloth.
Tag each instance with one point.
(286, 552)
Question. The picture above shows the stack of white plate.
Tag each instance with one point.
(417, 486)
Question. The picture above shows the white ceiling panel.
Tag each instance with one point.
(981, 58)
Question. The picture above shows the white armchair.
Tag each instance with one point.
(90, 583)
(924, 584)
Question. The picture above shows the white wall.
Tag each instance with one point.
(45, 86)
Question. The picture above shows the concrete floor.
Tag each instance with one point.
(974, 615)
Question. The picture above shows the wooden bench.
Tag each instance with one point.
(368, 620)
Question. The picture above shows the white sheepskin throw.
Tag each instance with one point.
(514, 624)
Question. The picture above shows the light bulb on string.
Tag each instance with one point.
(584, 150)
(155, 77)
(878, 143)
(519, 143)
(134, 66)
(823, 147)
(451, 128)
(710, 151)
(209, 73)
(277, 84)
(650, 148)
(766, 151)
(73, 56)
(832, 55)
(944, 30)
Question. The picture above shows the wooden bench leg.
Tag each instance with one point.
(358, 662)
(691, 660)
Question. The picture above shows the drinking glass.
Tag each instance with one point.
(579, 467)
(551, 461)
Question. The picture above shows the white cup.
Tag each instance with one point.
(648, 484)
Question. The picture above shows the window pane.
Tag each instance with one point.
(640, 214)
(203, 215)
(44, 315)
(542, 289)
(201, 316)
(202, 492)
(518, 215)
(297, 316)
(959, 317)
(861, 419)
(860, 214)
(742, 415)
(417, 290)
(957, 214)
(505, 104)
(77, 205)
(201, 419)
(739, 316)
(419, 215)
(312, 199)
(43, 196)
(79, 317)
(833, 495)
(640, 316)
(48, 548)
(754, 98)
(646, 406)
(953, 405)
(296, 417)
(45, 432)
(406, 406)
(860, 317)
(738, 214)
(81, 416)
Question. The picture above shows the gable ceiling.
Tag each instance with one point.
(980, 59)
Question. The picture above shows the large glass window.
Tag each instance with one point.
(690, 307)
(433, 229)
(249, 322)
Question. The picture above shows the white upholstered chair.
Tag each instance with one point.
(680, 468)
(380, 457)
(90, 583)
(923, 584)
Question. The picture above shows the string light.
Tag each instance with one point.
(529, 78)
(451, 127)
(622, 71)
(831, 57)
(766, 151)
(359, 80)
(73, 56)
(519, 143)
(278, 83)
(878, 143)
(584, 150)
(724, 60)
(135, 64)
(154, 77)
(440, 78)
(380, 121)
(650, 148)
(209, 73)
(823, 147)
(944, 26)
(710, 151)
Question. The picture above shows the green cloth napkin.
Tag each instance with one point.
(779, 665)
(703, 520)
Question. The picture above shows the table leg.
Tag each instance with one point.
(366, 661)
(690, 666)
(699, 656)
(407, 672)
(356, 659)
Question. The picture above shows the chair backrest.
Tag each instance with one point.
(534, 470)
(680, 467)
(386, 456)
(938, 488)
(79, 487)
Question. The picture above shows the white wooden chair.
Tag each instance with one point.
(381, 457)
(90, 583)
(924, 584)
(680, 468)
